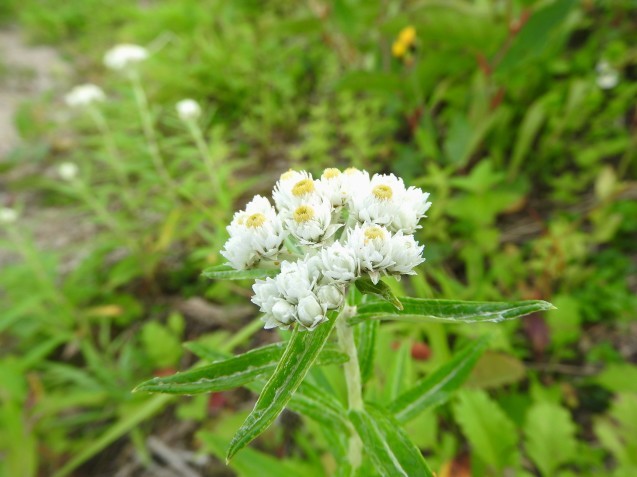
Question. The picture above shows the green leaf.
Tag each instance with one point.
(388, 446)
(366, 347)
(226, 272)
(231, 373)
(495, 370)
(533, 120)
(536, 35)
(490, 432)
(452, 311)
(380, 289)
(437, 388)
(299, 356)
(550, 437)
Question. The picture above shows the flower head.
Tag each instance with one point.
(67, 171)
(84, 95)
(124, 56)
(188, 110)
(7, 215)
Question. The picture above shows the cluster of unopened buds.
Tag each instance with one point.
(324, 234)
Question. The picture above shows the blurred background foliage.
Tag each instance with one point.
(520, 118)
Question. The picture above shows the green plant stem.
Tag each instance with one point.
(206, 157)
(153, 147)
(113, 155)
(352, 371)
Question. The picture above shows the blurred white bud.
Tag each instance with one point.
(67, 171)
(84, 95)
(7, 215)
(121, 57)
(607, 76)
(188, 110)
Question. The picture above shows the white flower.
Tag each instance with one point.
(371, 246)
(84, 95)
(339, 263)
(406, 253)
(188, 110)
(123, 56)
(332, 186)
(292, 189)
(67, 171)
(310, 312)
(256, 233)
(7, 215)
(330, 295)
(277, 311)
(311, 222)
(385, 201)
(296, 280)
(607, 76)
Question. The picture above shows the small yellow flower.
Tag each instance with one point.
(398, 49)
(407, 36)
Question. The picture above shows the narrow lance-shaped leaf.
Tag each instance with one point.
(226, 272)
(301, 352)
(451, 311)
(437, 388)
(380, 290)
(232, 372)
(389, 448)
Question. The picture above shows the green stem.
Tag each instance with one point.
(352, 371)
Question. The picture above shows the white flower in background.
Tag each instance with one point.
(68, 171)
(188, 110)
(8, 215)
(339, 263)
(311, 222)
(292, 189)
(406, 254)
(84, 95)
(372, 248)
(256, 233)
(123, 56)
(607, 76)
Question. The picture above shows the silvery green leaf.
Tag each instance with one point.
(299, 356)
(451, 311)
(226, 272)
(437, 387)
(388, 446)
(380, 289)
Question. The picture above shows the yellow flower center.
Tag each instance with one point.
(331, 173)
(303, 213)
(255, 220)
(288, 175)
(303, 187)
(373, 233)
(351, 171)
(382, 192)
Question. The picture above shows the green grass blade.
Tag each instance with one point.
(437, 388)
(366, 347)
(389, 448)
(301, 352)
(232, 372)
(452, 311)
(226, 272)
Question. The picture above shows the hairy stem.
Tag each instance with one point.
(352, 378)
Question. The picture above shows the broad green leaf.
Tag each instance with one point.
(226, 272)
(619, 377)
(366, 347)
(437, 388)
(299, 356)
(536, 35)
(324, 408)
(389, 448)
(452, 311)
(550, 437)
(232, 372)
(490, 432)
(380, 289)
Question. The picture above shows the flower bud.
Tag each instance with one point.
(7, 215)
(330, 296)
(188, 110)
(123, 56)
(283, 312)
(67, 171)
(310, 312)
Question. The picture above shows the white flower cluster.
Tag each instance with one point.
(84, 95)
(324, 234)
(121, 57)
